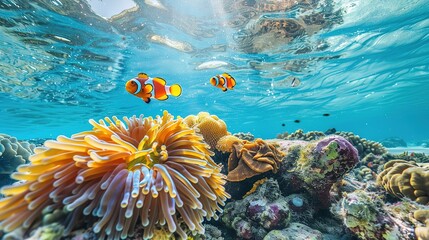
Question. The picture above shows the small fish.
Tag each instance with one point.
(146, 88)
(223, 81)
(295, 82)
(283, 124)
(297, 121)
(326, 114)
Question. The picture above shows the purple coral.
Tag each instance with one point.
(344, 146)
(318, 165)
(244, 229)
(270, 216)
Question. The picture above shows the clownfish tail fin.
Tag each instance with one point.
(176, 90)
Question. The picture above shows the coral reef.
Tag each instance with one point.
(301, 207)
(114, 174)
(364, 174)
(12, 154)
(254, 158)
(363, 145)
(282, 135)
(410, 156)
(330, 131)
(210, 126)
(301, 166)
(364, 214)
(226, 143)
(422, 215)
(393, 142)
(245, 136)
(300, 135)
(317, 165)
(375, 162)
(295, 231)
(257, 214)
(403, 178)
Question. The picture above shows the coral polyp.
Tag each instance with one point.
(155, 171)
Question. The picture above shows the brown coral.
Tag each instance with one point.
(210, 126)
(154, 171)
(406, 179)
(422, 215)
(250, 159)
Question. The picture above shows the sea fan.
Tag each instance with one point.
(155, 171)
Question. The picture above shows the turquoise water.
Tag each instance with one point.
(364, 62)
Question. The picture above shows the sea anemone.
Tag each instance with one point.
(155, 171)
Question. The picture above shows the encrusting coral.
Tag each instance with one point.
(406, 179)
(248, 159)
(210, 126)
(12, 154)
(366, 215)
(260, 212)
(316, 166)
(363, 145)
(155, 171)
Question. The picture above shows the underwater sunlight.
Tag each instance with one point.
(216, 119)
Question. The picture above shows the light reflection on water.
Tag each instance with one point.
(361, 63)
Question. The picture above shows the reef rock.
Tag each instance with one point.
(316, 166)
(393, 142)
(295, 231)
(368, 217)
(258, 213)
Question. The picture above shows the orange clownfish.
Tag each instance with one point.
(146, 88)
(223, 81)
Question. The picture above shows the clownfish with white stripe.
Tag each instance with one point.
(223, 81)
(146, 88)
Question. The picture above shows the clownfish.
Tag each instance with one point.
(223, 81)
(146, 88)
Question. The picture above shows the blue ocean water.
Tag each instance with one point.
(365, 63)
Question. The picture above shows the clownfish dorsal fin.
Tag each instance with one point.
(143, 76)
(160, 81)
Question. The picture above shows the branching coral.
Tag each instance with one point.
(250, 159)
(210, 126)
(157, 171)
(403, 178)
